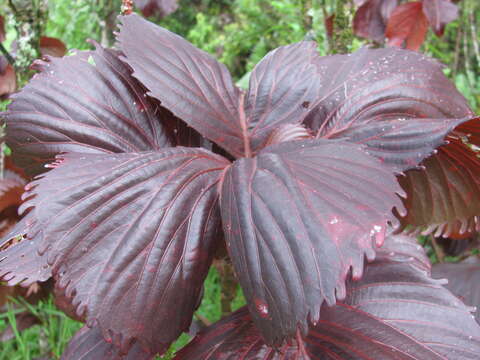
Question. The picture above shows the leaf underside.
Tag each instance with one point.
(126, 234)
(371, 18)
(444, 198)
(439, 13)
(407, 26)
(396, 312)
(292, 251)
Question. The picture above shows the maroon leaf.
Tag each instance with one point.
(463, 279)
(444, 198)
(382, 84)
(87, 102)
(407, 24)
(2, 29)
(402, 143)
(371, 18)
(127, 234)
(388, 99)
(283, 89)
(52, 47)
(88, 344)
(160, 8)
(292, 251)
(439, 13)
(187, 81)
(396, 312)
(329, 25)
(8, 79)
(19, 258)
(11, 190)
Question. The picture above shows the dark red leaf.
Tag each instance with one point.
(396, 312)
(283, 90)
(88, 344)
(439, 13)
(160, 8)
(371, 18)
(402, 143)
(329, 25)
(126, 234)
(8, 79)
(52, 47)
(407, 25)
(20, 261)
(87, 102)
(444, 198)
(2, 29)
(187, 81)
(388, 99)
(292, 251)
(463, 279)
(382, 84)
(11, 190)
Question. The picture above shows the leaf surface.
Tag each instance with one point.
(127, 234)
(188, 81)
(403, 143)
(296, 218)
(400, 105)
(283, 89)
(87, 102)
(382, 84)
(89, 344)
(395, 312)
(407, 25)
(463, 279)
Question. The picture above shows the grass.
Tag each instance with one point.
(51, 337)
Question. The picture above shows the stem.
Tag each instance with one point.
(342, 29)
(438, 249)
(243, 124)
(7, 55)
(228, 284)
(473, 29)
(30, 18)
(307, 19)
(203, 319)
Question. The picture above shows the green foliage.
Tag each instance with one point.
(240, 32)
(50, 337)
(56, 329)
(74, 22)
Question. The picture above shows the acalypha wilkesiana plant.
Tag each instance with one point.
(157, 159)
